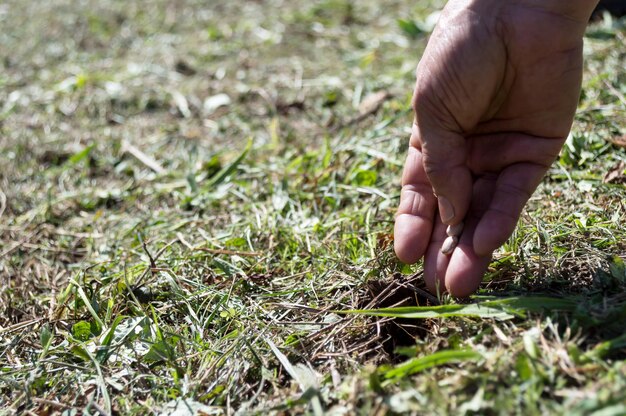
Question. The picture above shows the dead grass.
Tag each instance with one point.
(149, 261)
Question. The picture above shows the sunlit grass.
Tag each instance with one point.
(161, 248)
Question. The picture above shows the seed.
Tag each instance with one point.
(449, 245)
(455, 230)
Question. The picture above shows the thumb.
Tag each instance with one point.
(445, 163)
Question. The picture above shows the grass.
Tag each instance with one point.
(165, 246)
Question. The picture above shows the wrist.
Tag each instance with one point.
(579, 10)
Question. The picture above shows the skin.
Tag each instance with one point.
(495, 96)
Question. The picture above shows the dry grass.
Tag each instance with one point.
(158, 250)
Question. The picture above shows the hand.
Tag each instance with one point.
(496, 92)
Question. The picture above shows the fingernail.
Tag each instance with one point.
(446, 210)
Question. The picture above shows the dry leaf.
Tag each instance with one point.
(619, 141)
(616, 173)
(373, 101)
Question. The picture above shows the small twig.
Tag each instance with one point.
(618, 94)
(53, 249)
(350, 350)
(59, 231)
(145, 249)
(142, 157)
(301, 323)
(298, 307)
(20, 325)
(52, 403)
(183, 241)
(229, 252)
(432, 298)
(19, 243)
(63, 366)
(153, 267)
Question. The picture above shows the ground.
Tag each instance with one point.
(193, 193)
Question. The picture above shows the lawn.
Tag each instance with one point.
(196, 214)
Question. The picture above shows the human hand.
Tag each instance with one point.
(496, 92)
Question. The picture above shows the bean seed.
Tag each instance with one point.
(449, 245)
(455, 230)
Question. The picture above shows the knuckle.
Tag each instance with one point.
(435, 168)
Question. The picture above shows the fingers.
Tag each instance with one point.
(513, 188)
(435, 262)
(416, 212)
(511, 167)
(444, 159)
(521, 160)
(497, 202)
(466, 268)
(461, 272)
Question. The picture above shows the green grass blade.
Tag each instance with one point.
(78, 156)
(415, 365)
(102, 353)
(443, 311)
(502, 309)
(100, 381)
(227, 170)
(521, 304)
(87, 302)
(604, 348)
